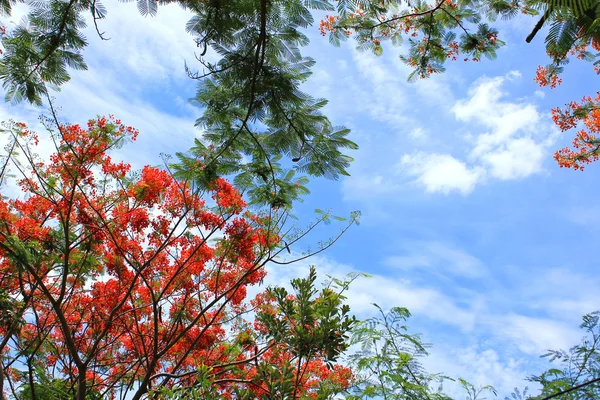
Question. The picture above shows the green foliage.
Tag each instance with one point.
(252, 102)
(517, 394)
(253, 107)
(310, 321)
(38, 52)
(432, 29)
(263, 183)
(579, 365)
(387, 364)
(572, 26)
(575, 7)
(46, 387)
(10, 315)
(476, 393)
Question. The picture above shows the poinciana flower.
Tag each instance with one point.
(586, 144)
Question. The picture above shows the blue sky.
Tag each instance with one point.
(467, 220)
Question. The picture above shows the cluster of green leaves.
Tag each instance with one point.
(574, 25)
(432, 28)
(476, 393)
(578, 376)
(262, 182)
(38, 52)
(311, 321)
(10, 312)
(45, 388)
(518, 394)
(387, 364)
(50, 388)
(253, 108)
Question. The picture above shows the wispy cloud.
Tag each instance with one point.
(477, 364)
(438, 257)
(384, 290)
(535, 335)
(488, 323)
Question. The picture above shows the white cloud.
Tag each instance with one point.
(386, 291)
(512, 146)
(438, 257)
(479, 365)
(428, 302)
(148, 47)
(519, 158)
(511, 149)
(536, 335)
(484, 92)
(418, 133)
(440, 172)
(514, 75)
(563, 292)
(383, 91)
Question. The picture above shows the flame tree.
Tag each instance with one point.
(122, 285)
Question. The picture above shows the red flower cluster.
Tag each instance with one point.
(586, 144)
(547, 77)
(130, 276)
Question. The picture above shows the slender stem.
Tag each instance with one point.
(572, 389)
